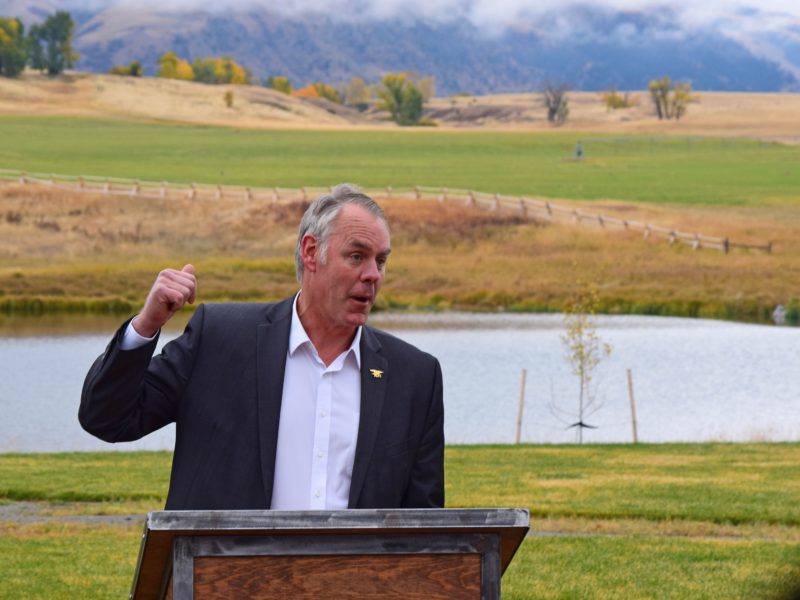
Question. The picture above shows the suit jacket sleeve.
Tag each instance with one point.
(426, 484)
(129, 393)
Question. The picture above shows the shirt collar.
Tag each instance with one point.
(298, 336)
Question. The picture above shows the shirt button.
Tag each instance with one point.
(320, 455)
(317, 494)
(322, 413)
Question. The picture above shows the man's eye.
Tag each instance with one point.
(355, 257)
(381, 263)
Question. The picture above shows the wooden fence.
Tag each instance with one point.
(528, 207)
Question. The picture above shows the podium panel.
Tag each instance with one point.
(369, 554)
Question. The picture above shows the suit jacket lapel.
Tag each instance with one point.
(272, 342)
(373, 393)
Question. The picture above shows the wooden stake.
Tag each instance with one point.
(633, 407)
(521, 404)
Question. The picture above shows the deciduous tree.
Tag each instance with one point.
(671, 100)
(585, 350)
(556, 102)
(279, 83)
(133, 69)
(50, 44)
(357, 94)
(13, 47)
(401, 97)
(170, 66)
(219, 70)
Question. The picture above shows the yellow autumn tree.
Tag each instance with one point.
(170, 66)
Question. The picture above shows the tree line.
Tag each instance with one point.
(403, 95)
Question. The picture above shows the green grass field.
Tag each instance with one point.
(646, 169)
(647, 521)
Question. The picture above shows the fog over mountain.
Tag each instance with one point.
(478, 46)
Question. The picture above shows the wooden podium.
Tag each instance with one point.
(364, 554)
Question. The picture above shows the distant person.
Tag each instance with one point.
(293, 405)
(779, 315)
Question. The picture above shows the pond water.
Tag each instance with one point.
(694, 380)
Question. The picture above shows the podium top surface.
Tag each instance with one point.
(162, 527)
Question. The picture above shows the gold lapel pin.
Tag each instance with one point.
(376, 373)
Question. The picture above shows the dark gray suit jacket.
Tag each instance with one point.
(221, 382)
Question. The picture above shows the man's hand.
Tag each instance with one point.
(169, 293)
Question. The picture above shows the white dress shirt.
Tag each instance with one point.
(320, 410)
(318, 429)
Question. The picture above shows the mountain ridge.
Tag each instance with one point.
(587, 48)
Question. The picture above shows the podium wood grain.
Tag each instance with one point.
(434, 577)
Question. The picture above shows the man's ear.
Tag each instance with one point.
(309, 252)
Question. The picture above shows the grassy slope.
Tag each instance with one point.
(642, 169)
(66, 251)
(683, 521)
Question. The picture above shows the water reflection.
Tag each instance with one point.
(695, 380)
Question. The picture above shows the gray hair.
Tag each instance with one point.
(320, 215)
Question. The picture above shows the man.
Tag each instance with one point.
(293, 405)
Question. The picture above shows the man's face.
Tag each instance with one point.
(344, 286)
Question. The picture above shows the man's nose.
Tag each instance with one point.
(371, 271)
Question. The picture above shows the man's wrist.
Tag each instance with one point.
(132, 339)
(145, 330)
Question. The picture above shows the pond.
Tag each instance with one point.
(694, 380)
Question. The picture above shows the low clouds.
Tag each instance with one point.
(753, 15)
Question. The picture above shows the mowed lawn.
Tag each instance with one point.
(610, 521)
(635, 168)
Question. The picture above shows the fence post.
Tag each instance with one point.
(107, 186)
(633, 407)
(388, 192)
(726, 245)
(523, 207)
(521, 404)
(163, 191)
(417, 194)
(247, 194)
(274, 195)
(192, 191)
(646, 233)
(218, 193)
(496, 205)
(22, 178)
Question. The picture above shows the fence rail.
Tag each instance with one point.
(528, 207)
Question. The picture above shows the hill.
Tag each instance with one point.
(758, 115)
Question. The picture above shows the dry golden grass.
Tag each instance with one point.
(769, 116)
(62, 246)
(150, 98)
(772, 116)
